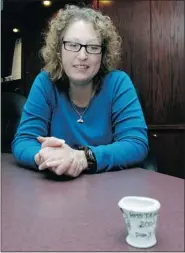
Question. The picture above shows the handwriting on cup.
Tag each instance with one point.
(144, 224)
(137, 234)
(146, 219)
(142, 215)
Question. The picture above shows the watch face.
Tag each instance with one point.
(90, 153)
(91, 160)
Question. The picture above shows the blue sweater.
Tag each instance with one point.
(114, 126)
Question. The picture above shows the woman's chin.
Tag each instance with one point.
(81, 81)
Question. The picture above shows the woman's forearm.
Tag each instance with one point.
(24, 151)
(122, 154)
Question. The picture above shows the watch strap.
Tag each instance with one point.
(91, 159)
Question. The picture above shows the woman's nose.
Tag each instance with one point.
(82, 54)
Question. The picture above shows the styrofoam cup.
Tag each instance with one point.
(140, 215)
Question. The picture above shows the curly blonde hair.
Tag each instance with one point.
(51, 51)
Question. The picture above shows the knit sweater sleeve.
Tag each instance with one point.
(34, 122)
(130, 141)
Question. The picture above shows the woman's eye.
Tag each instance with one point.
(73, 45)
(94, 47)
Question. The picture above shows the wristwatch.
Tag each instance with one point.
(91, 159)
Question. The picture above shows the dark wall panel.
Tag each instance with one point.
(132, 19)
(169, 149)
(168, 83)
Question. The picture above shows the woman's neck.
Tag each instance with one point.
(81, 94)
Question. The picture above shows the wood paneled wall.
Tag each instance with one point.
(167, 50)
(133, 23)
(153, 54)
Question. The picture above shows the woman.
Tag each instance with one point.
(81, 114)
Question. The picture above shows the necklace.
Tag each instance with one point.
(81, 114)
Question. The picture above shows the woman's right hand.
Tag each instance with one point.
(38, 159)
(62, 160)
(47, 142)
(50, 141)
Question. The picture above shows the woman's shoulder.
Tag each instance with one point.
(43, 76)
(43, 82)
(116, 78)
(116, 74)
(43, 86)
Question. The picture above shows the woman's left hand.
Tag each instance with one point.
(61, 159)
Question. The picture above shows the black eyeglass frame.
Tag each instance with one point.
(81, 45)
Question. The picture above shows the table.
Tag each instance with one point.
(42, 214)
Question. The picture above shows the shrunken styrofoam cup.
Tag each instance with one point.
(140, 215)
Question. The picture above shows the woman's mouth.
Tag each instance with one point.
(81, 66)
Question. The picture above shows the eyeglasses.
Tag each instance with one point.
(76, 47)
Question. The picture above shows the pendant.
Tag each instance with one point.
(80, 120)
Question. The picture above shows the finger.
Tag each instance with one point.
(60, 170)
(63, 167)
(41, 139)
(55, 163)
(72, 171)
(50, 164)
(44, 165)
(52, 169)
(52, 143)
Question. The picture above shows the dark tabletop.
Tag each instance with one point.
(43, 214)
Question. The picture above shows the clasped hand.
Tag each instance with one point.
(59, 157)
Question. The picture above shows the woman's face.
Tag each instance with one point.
(81, 66)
